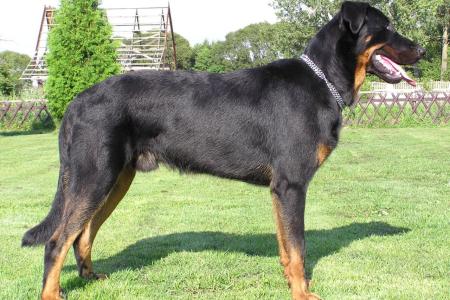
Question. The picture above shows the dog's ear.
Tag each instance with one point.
(354, 13)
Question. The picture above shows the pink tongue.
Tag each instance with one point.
(398, 69)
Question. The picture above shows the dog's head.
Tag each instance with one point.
(379, 48)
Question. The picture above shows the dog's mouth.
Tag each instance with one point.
(388, 70)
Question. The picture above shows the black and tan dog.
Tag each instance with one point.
(274, 126)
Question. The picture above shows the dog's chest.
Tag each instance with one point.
(328, 140)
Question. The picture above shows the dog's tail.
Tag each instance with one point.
(42, 232)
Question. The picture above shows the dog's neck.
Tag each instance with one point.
(326, 50)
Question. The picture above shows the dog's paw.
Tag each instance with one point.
(100, 276)
(57, 295)
(95, 276)
(312, 296)
(305, 296)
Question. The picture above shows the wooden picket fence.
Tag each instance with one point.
(399, 108)
(17, 113)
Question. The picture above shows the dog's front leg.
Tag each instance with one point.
(289, 205)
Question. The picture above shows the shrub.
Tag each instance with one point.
(81, 52)
(12, 65)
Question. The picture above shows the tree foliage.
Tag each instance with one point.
(252, 46)
(12, 65)
(184, 52)
(81, 52)
(308, 14)
(208, 57)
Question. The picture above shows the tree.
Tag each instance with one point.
(208, 57)
(6, 82)
(202, 57)
(290, 39)
(185, 59)
(310, 15)
(250, 47)
(12, 65)
(81, 52)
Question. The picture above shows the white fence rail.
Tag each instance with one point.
(403, 87)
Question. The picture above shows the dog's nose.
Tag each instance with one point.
(421, 51)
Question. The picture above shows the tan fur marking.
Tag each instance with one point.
(51, 288)
(323, 151)
(361, 66)
(297, 274)
(281, 234)
(87, 237)
(296, 271)
(84, 250)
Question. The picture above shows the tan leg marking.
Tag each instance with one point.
(296, 272)
(87, 237)
(51, 290)
(281, 235)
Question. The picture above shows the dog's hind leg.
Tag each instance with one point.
(89, 187)
(83, 244)
(55, 253)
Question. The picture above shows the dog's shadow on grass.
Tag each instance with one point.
(320, 243)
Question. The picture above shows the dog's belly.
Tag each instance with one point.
(204, 153)
(219, 158)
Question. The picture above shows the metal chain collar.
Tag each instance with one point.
(321, 75)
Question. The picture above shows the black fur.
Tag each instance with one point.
(264, 126)
(43, 231)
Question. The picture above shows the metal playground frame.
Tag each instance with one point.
(145, 34)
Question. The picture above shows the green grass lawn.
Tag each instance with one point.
(377, 219)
